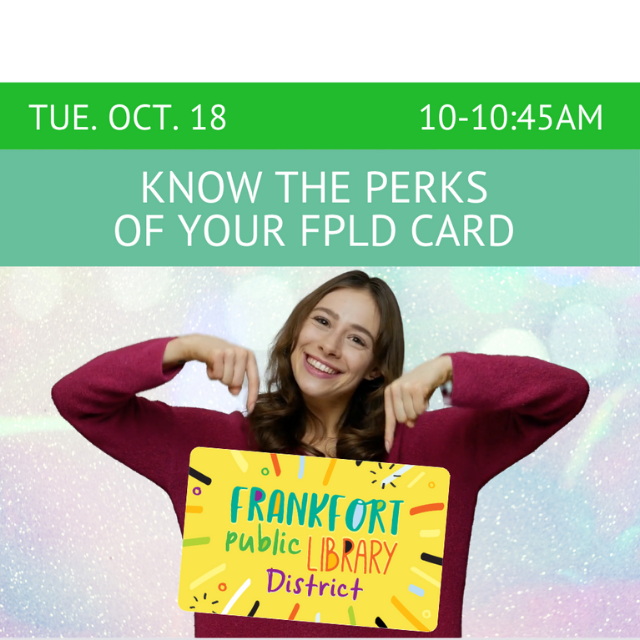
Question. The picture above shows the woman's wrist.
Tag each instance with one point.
(446, 386)
(176, 353)
(446, 369)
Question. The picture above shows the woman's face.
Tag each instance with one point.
(334, 351)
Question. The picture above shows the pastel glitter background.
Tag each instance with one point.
(89, 548)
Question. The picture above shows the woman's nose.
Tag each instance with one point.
(330, 344)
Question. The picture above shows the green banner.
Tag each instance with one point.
(319, 116)
(347, 208)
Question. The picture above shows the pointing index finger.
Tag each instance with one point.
(389, 420)
(253, 378)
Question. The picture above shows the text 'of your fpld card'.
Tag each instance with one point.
(314, 539)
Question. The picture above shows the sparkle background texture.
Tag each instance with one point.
(89, 548)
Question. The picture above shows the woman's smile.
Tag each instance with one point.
(318, 368)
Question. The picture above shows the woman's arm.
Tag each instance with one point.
(504, 407)
(518, 403)
(99, 399)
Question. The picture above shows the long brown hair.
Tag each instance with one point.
(280, 416)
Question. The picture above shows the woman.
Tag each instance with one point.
(335, 387)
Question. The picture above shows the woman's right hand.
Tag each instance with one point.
(225, 361)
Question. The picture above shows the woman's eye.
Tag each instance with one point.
(359, 341)
(321, 320)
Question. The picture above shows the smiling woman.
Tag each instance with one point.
(334, 387)
(327, 371)
(333, 356)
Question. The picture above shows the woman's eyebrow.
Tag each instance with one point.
(335, 316)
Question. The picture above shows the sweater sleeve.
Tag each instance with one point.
(516, 403)
(99, 399)
(502, 409)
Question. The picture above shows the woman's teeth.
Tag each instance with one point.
(321, 367)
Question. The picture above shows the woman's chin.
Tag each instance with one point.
(315, 393)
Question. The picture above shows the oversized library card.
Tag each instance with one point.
(314, 539)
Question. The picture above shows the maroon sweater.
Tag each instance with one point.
(503, 409)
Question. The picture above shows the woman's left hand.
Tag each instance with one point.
(408, 396)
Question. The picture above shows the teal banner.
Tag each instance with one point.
(346, 208)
